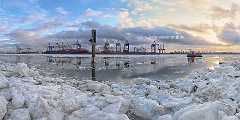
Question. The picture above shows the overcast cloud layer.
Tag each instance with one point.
(34, 23)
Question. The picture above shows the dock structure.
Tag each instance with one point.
(135, 50)
(126, 47)
(158, 48)
(162, 49)
(24, 50)
(65, 48)
(118, 47)
(58, 46)
(77, 45)
(50, 47)
(93, 42)
(18, 49)
(106, 48)
(154, 47)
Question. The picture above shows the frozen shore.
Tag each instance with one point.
(206, 94)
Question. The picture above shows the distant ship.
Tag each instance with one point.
(194, 54)
(66, 49)
(20, 50)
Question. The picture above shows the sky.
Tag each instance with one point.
(204, 25)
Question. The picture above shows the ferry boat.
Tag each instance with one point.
(68, 51)
(61, 48)
(194, 54)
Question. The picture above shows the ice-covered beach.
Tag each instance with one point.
(205, 94)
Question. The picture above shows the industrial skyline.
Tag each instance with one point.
(204, 25)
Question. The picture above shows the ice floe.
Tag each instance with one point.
(3, 107)
(205, 94)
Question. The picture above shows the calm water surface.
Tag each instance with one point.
(114, 68)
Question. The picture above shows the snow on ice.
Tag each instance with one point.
(205, 94)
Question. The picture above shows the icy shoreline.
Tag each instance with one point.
(203, 95)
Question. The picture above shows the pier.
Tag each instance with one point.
(116, 47)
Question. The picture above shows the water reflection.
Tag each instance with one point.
(93, 72)
(106, 62)
(194, 60)
(126, 64)
(191, 60)
(61, 61)
(214, 62)
(107, 68)
(118, 65)
(19, 59)
(112, 68)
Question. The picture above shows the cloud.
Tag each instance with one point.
(166, 34)
(230, 34)
(125, 20)
(139, 6)
(190, 22)
(225, 13)
(61, 11)
(197, 30)
(151, 13)
(3, 28)
(35, 36)
(136, 35)
(194, 4)
(202, 34)
(202, 28)
(104, 32)
(95, 13)
(89, 25)
(46, 27)
(27, 38)
(157, 31)
(205, 32)
(22, 7)
(33, 17)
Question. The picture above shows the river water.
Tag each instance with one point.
(114, 68)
